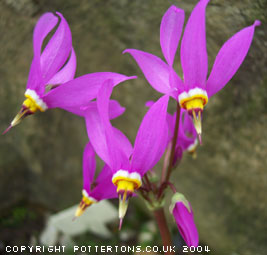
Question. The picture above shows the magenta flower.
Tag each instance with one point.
(45, 70)
(94, 191)
(192, 93)
(184, 217)
(127, 164)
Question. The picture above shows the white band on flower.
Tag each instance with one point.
(192, 93)
(37, 100)
(84, 192)
(192, 147)
(125, 174)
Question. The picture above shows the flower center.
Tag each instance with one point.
(33, 101)
(126, 184)
(85, 202)
(194, 99)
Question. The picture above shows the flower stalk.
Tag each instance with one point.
(163, 229)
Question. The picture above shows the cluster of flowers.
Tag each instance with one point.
(51, 84)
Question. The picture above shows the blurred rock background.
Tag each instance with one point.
(40, 160)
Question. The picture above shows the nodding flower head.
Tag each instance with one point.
(194, 91)
(94, 190)
(127, 164)
(51, 82)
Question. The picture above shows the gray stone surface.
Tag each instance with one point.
(40, 160)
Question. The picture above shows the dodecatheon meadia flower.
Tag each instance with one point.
(194, 91)
(94, 190)
(127, 166)
(54, 65)
(68, 94)
(182, 211)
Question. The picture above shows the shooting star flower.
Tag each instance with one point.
(192, 93)
(68, 93)
(94, 191)
(127, 165)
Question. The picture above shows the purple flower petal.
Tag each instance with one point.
(123, 142)
(184, 217)
(155, 70)
(115, 109)
(151, 138)
(67, 73)
(118, 158)
(186, 225)
(170, 31)
(229, 59)
(89, 166)
(44, 25)
(80, 91)
(96, 134)
(56, 51)
(194, 57)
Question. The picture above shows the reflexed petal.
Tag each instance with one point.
(176, 84)
(229, 59)
(118, 159)
(155, 70)
(170, 31)
(96, 134)
(80, 91)
(123, 142)
(89, 166)
(44, 25)
(194, 57)
(115, 109)
(56, 51)
(67, 73)
(105, 190)
(104, 174)
(151, 137)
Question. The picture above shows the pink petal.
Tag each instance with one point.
(194, 57)
(44, 25)
(57, 50)
(67, 73)
(229, 59)
(105, 190)
(96, 134)
(89, 166)
(80, 91)
(123, 142)
(115, 109)
(170, 31)
(151, 138)
(104, 174)
(155, 70)
(118, 158)
(186, 225)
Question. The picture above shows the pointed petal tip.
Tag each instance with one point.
(126, 51)
(200, 139)
(132, 77)
(257, 23)
(121, 220)
(176, 9)
(10, 126)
